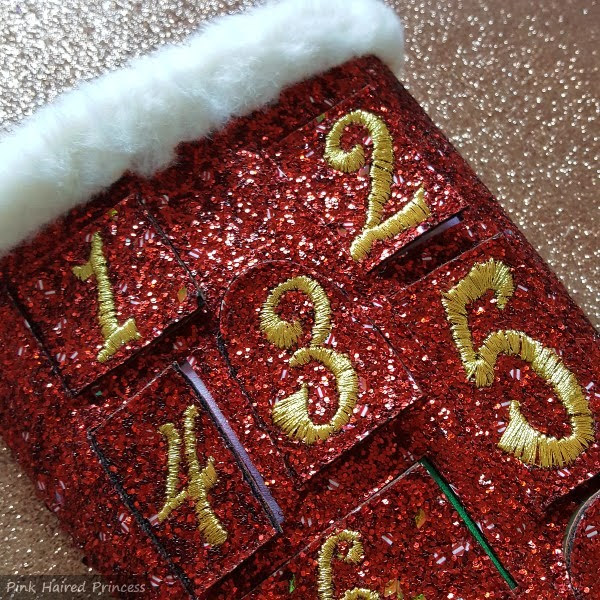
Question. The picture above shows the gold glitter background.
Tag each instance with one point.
(513, 83)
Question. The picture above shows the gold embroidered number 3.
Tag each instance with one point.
(520, 438)
(291, 413)
(115, 335)
(381, 174)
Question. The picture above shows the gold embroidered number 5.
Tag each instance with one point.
(520, 439)
(291, 413)
(115, 335)
(381, 174)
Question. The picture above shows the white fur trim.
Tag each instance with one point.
(133, 118)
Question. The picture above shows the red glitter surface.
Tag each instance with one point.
(419, 259)
(331, 493)
(413, 543)
(260, 191)
(109, 392)
(505, 496)
(210, 365)
(339, 198)
(211, 219)
(385, 387)
(30, 395)
(137, 454)
(226, 221)
(583, 550)
(483, 412)
(44, 429)
(298, 104)
(147, 281)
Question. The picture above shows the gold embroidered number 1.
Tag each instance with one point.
(520, 439)
(115, 335)
(381, 174)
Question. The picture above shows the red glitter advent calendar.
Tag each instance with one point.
(313, 359)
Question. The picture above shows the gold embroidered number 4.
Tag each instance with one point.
(519, 439)
(114, 335)
(200, 480)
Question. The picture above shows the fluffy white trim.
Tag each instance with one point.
(133, 118)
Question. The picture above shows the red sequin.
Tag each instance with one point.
(384, 386)
(413, 543)
(583, 550)
(339, 199)
(147, 282)
(136, 454)
(261, 191)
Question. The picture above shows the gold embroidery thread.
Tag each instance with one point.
(200, 480)
(284, 334)
(291, 413)
(354, 555)
(519, 439)
(114, 335)
(381, 175)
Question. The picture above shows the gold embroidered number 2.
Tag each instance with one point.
(520, 439)
(291, 413)
(381, 174)
(115, 335)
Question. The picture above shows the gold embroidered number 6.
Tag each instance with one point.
(520, 439)
(354, 555)
(381, 174)
(291, 413)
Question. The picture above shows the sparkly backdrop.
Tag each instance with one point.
(514, 84)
